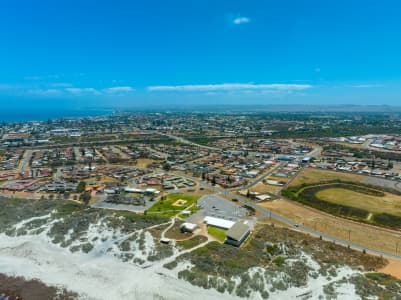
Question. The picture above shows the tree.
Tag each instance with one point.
(85, 198)
(166, 167)
(81, 187)
(214, 180)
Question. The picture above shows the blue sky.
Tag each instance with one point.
(75, 53)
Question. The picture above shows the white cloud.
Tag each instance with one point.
(33, 78)
(44, 77)
(119, 89)
(61, 84)
(364, 86)
(241, 20)
(44, 92)
(78, 91)
(230, 87)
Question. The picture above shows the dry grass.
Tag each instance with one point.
(349, 145)
(316, 175)
(277, 178)
(362, 234)
(144, 162)
(198, 192)
(175, 232)
(390, 203)
(264, 188)
(268, 221)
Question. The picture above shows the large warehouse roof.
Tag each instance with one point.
(217, 222)
(238, 231)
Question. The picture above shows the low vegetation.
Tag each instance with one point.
(191, 243)
(280, 259)
(79, 228)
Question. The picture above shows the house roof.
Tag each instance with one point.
(238, 231)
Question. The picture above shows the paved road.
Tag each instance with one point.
(315, 152)
(25, 161)
(269, 214)
(78, 154)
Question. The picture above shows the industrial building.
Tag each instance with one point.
(219, 223)
(237, 234)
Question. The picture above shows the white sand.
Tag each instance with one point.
(102, 275)
(92, 275)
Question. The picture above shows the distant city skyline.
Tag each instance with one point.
(72, 54)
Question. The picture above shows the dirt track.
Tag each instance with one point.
(393, 268)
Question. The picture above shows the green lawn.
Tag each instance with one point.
(218, 233)
(166, 207)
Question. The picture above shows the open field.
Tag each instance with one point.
(390, 203)
(356, 201)
(315, 176)
(349, 145)
(359, 233)
(278, 178)
(168, 207)
(265, 188)
(144, 162)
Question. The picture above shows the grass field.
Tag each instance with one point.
(167, 208)
(218, 233)
(390, 203)
(316, 175)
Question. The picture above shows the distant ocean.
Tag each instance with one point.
(25, 115)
